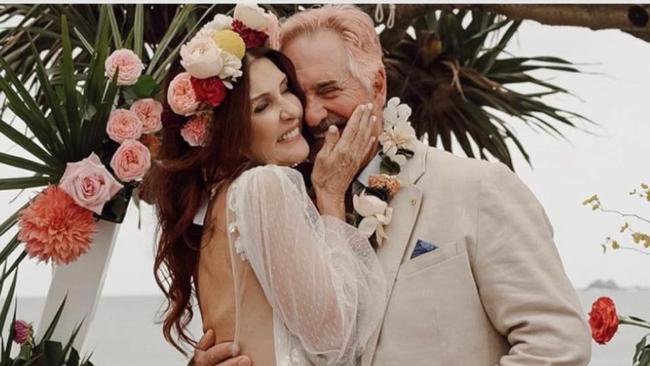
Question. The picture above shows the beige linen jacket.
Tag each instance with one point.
(494, 292)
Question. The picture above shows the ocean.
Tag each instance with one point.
(125, 331)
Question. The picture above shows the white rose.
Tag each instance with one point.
(219, 22)
(231, 69)
(201, 57)
(252, 16)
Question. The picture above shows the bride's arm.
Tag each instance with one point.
(319, 274)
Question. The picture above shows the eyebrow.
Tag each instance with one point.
(284, 81)
(325, 84)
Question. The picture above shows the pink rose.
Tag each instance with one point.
(273, 31)
(129, 65)
(123, 124)
(195, 131)
(181, 96)
(149, 111)
(131, 161)
(89, 183)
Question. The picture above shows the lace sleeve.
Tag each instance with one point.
(319, 274)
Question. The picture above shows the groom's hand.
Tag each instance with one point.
(207, 353)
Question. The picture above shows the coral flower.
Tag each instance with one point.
(54, 227)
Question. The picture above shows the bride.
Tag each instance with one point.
(284, 277)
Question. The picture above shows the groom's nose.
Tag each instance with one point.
(315, 112)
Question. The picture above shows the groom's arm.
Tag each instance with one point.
(522, 282)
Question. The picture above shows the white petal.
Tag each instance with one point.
(368, 226)
(367, 205)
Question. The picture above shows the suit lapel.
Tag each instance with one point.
(406, 207)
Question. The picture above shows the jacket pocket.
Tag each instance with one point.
(442, 253)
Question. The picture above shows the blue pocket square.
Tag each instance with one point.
(422, 247)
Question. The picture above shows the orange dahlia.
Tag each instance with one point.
(54, 227)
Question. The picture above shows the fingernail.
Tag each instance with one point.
(369, 105)
(372, 139)
(332, 129)
(373, 119)
(234, 349)
(363, 107)
(243, 362)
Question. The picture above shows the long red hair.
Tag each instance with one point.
(182, 178)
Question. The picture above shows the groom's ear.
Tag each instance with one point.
(379, 87)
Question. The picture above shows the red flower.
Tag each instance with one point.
(251, 37)
(603, 320)
(210, 90)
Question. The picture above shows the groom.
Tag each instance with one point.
(473, 275)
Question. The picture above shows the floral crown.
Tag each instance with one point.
(212, 60)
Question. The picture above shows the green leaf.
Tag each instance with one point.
(53, 353)
(9, 297)
(177, 23)
(73, 359)
(26, 143)
(26, 164)
(70, 86)
(54, 322)
(138, 30)
(145, 87)
(117, 38)
(8, 249)
(24, 182)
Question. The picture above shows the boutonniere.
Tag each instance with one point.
(372, 212)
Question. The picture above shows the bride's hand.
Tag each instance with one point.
(340, 159)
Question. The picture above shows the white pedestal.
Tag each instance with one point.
(82, 282)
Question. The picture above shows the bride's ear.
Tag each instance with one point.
(379, 87)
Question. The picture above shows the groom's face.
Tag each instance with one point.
(332, 92)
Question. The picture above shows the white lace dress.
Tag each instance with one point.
(319, 274)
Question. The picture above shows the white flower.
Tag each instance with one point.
(395, 113)
(398, 132)
(376, 214)
(231, 69)
(400, 136)
(219, 22)
(253, 16)
(201, 57)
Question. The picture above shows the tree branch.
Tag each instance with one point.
(631, 19)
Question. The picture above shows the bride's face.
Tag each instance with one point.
(276, 117)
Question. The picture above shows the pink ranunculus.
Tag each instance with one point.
(123, 124)
(195, 131)
(149, 111)
(129, 65)
(131, 161)
(22, 332)
(180, 95)
(89, 183)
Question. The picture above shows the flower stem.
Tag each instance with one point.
(626, 320)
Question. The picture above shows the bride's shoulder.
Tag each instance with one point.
(270, 176)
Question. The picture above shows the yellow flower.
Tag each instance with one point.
(625, 226)
(230, 42)
(590, 200)
(615, 245)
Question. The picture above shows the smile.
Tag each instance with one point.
(290, 136)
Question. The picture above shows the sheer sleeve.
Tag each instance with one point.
(320, 275)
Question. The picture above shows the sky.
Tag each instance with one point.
(611, 160)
